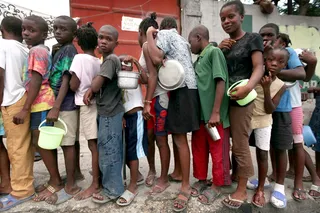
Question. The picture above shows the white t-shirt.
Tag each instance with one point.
(132, 98)
(86, 67)
(13, 55)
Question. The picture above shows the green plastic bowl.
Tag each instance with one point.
(249, 98)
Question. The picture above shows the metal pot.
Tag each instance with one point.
(128, 79)
(171, 76)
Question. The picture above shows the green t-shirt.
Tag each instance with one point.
(210, 65)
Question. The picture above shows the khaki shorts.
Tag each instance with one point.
(71, 118)
(88, 121)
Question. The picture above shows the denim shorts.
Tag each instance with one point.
(36, 119)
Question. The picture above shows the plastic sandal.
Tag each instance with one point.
(105, 198)
(198, 187)
(276, 198)
(9, 202)
(128, 197)
(260, 195)
(183, 203)
(227, 200)
(315, 189)
(300, 193)
(211, 196)
(253, 184)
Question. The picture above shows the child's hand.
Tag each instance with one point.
(227, 43)
(87, 97)
(239, 92)
(53, 115)
(267, 46)
(146, 111)
(308, 57)
(19, 118)
(124, 123)
(153, 31)
(214, 119)
(266, 81)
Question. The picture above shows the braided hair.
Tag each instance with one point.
(87, 37)
(148, 22)
(285, 38)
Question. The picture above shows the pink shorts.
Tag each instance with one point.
(297, 124)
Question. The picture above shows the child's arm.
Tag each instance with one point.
(54, 112)
(270, 104)
(215, 114)
(143, 76)
(311, 61)
(34, 87)
(74, 82)
(156, 54)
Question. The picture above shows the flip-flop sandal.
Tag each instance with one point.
(171, 179)
(198, 187)
(183, 203)
(260, 195)
(150, 180)
(128, 196)
(229, 199)
(279, 197)
(211, 196)
(315, 189)
(307, 178)
(158, 189)
(254, 183)
(300, 193)
(105, 198)
(62, 195)
(9, 202)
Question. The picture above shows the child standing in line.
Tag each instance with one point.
(269, 92)
(13, 55)
(110, 113)
(84, 68)
(213, 83)
(135, 131)
(40, 96)
(64, 107)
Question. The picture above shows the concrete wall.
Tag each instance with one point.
(303, 31)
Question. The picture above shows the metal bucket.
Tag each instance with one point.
(128, 79)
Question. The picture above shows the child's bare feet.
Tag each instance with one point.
(48, 192)
(150, 179)
(88, 192)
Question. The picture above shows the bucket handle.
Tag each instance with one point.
(60, 120)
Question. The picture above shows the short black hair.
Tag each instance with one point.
(238, 4)
(12, 25)
(168, 23)
(200, 30)
(148, 22)
(87, 37)
(41, 23)
(285, 38)
(71, 21)
(273, 26)
(111, 30)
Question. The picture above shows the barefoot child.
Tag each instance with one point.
(135, 131)
(110, 113)
(84, 68)
(269, 92)
(13, 55)
(64, 107)
(213, 83)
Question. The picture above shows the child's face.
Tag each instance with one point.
(276, 61)
(31, 33)
(194, 41)
(62, 30)
(106, 41)
(230, 19)
(268, 34)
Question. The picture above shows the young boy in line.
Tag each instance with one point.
(180, 120)
(269, 93)
(84, 68)
(136, 134)
(54, 191)
(13, 96)
(212, 80)
(110, 114)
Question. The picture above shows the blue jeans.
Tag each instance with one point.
(110, 149)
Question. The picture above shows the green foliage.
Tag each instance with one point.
(313, 9)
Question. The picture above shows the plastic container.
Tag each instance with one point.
(249, 98)
(128, 79)
(50, 137)
(308, 136)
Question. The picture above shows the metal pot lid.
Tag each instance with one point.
(172, 75)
